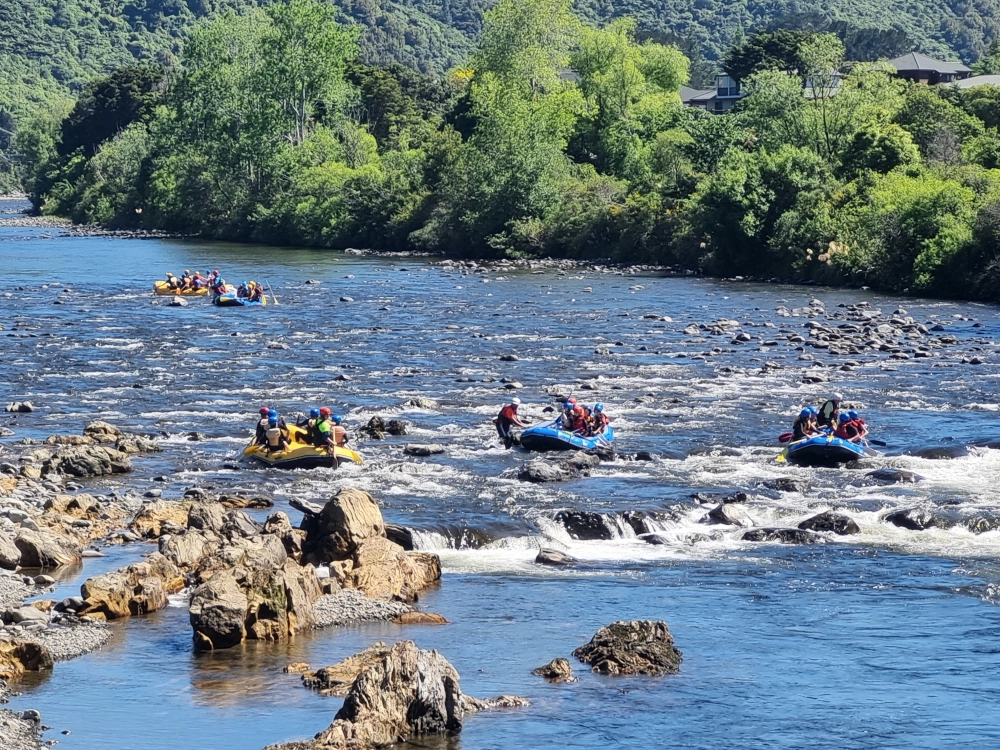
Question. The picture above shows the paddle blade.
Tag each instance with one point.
(785, 437)
(781, 456)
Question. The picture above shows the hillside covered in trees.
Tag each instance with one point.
(51, 47)
(557, 137)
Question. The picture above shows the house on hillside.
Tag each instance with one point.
(717, 100)
(923, 69)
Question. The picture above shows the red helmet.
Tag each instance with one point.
(325, 411)
(571, 400)
(264, 410)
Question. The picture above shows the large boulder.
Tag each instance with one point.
(558, 468)
(149, 521)
(10, 555)
(44, 549)
(133, 444)
(917, 519)
(88, 461)
(549, 556)
(407, 692)
(634, 647)
(265, 553)
(557, 670)
(894, 476)
(18, 657)
(139, 589)
(837, 523)
(218, 612)
(381, 569)
(347, 520)
(254, 604)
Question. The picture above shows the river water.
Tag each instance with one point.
(888, 639)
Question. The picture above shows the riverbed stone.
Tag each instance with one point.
(636, 647)
(728, 514)
(782, 535)
(88, 461)
(917, 519)
(421, 449)
(584, 525)
(894, 476)
(838, 523)
(18, 657)
(137, 589)
(149, 521)
(10, 555)
(557, 670)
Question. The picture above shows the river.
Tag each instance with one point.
(880, 640)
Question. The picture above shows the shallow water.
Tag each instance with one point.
(887, 639)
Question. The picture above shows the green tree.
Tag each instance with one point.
(878, 148)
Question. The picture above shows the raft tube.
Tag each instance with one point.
(824, 450)
(231, 300)
(548, 437)
(301, 455)
(162, 287)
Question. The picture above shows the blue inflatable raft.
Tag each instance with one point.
(548, 437)
(824, 450)
(231, 300)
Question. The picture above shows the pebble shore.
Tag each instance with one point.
(352, 606)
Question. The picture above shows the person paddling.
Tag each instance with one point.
(804, 426)
(260, 438)
(846, 430)
(507, 420)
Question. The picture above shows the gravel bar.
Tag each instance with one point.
(70, 641)
(351, 605)
(17, 733)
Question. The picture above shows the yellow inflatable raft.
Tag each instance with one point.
(301, 454)
(162, 287)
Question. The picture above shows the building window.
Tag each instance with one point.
(727, 86)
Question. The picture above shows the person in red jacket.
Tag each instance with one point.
(846, 429)
(507, 420)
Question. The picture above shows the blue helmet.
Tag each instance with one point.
(853, 414)
(844, 417)
(272, 413)
(805, 413)
(813, 410)
(314, 412)
(336, 418)
(273, 421)
(598, 407)
(567, 405)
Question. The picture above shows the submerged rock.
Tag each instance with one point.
(894, 476)
(837, 523)
(946, 451)
(420, 618)
(559, 468)
(917, 519)
(787, 484)
(417, 449)
(20, 407)
(643, 647)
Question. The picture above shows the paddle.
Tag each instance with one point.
(785, 437)
(879, 443)
(273, 295)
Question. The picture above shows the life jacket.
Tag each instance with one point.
(273, 437)
(339, 435)
(507, 414)
(600, 420)
(579, 418)
(846, 431)
(323, 429)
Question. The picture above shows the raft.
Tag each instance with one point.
(301, 454)
(548, 437)
(824, 450)
(229, 299)
(161, 287)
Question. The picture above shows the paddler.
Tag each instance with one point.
(805, 425)
(507, 420)
(277, 438)
(598, 420)
(827, 417)
(325, 437)
(256, 292)
(186, 279)
(846, 429)
(261, 437)
(339, 432)
(309, 425)
(172, 281)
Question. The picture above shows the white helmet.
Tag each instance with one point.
(516, 401)
(837, 397)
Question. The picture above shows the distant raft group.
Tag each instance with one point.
(249, 293)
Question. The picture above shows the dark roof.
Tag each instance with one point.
(916, 61)
(688, 93)
(969, 83)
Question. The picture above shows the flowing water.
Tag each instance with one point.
(887, 639)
